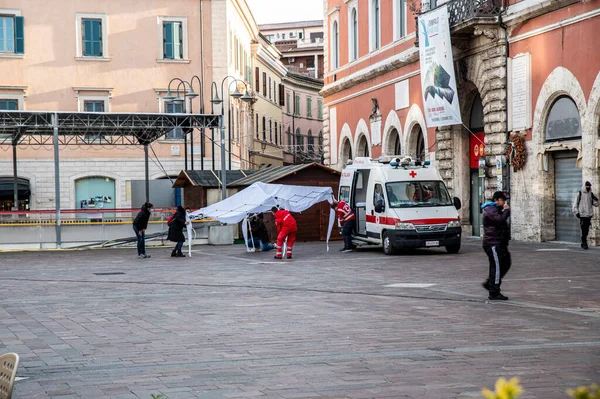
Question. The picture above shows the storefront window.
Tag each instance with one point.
(95, 193)
(7, 193)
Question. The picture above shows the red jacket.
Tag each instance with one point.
(284, 219)
(344, 212)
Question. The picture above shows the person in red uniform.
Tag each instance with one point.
(286, 229)
(347, 219)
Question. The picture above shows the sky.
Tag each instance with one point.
(272, 11)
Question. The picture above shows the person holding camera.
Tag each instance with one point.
(583, 208)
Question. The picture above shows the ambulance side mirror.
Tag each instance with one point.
(379, 207)
(457, 203)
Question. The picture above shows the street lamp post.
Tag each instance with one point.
(216, 100)
(191, 94)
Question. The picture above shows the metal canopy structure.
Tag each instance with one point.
(77, 128)
(90, 128)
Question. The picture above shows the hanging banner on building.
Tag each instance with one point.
(438, 80)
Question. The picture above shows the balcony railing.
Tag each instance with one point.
(463, 10)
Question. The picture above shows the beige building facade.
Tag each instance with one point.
(88, 56)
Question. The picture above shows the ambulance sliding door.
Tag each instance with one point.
(359, 199)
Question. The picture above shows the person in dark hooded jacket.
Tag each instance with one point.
(583, 208)
(496, 235)
(140, 224)
(176, 227)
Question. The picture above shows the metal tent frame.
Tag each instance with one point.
(91, 128)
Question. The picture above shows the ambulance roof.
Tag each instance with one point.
(396, 173)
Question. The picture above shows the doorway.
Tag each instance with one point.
(567, 182)
(477, 152)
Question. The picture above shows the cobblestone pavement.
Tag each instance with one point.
(227, 324)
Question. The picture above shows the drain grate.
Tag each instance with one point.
(108, 274)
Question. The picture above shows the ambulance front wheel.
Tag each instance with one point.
(453, 249)
(388, 248)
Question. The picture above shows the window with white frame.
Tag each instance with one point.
(353, 34)
(335, 45)
(93, 106)
(374, 24)
(399, 19)
(173, 39)
(309, 106)
(12, 40)
(174, 108)
(92, 36)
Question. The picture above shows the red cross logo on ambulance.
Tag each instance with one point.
(413, 174)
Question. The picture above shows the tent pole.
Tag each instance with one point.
(57, 181)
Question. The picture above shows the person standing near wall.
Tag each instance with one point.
(140, 224)
(176, 227)
(583, 208)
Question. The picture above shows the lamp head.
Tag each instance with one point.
(178, 100)
(247, 98)
(191, 93)
(216, 99)
(169, 96)
(236, 94)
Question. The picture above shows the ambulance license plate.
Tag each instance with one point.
(432, 243)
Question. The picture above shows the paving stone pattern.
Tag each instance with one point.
(227, 324)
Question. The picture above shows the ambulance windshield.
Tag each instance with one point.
(408, 194)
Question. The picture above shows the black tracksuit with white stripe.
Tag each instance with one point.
(495, 243)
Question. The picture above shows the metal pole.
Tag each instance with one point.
(185, 152)
(147, 172)
(223, 165)
(191, 141)
(57, 181)
(229, 127)
(15, 179)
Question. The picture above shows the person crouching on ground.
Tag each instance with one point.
(140, 224)
(496, 235)
(347, 219)
(176, 232)
(260, 235)
(286, 229)
(583, 205)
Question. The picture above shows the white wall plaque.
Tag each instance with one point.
(519, 92)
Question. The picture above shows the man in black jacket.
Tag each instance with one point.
(496, 235)
(260, 235)
(140, 224)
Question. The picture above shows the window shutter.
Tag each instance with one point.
(180, 25)
(281, 95)
(257, 79)
(97, 38)
(168, 40)
(87, 37)
(19, 35)
(264, 84)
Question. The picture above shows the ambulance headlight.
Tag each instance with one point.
(453, 224)
(404, 226)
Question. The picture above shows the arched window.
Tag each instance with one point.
(346, 152)
(393, 144)
(335, 46)
(353, 34)
(311, 143)
(375, 25)
(363, 147)
(320, 143)
(563, 120)
(420, 145)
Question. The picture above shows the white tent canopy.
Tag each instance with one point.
(261, 197)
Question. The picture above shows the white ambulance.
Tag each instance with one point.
(399, 204)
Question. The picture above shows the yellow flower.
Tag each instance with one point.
(504, 389)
